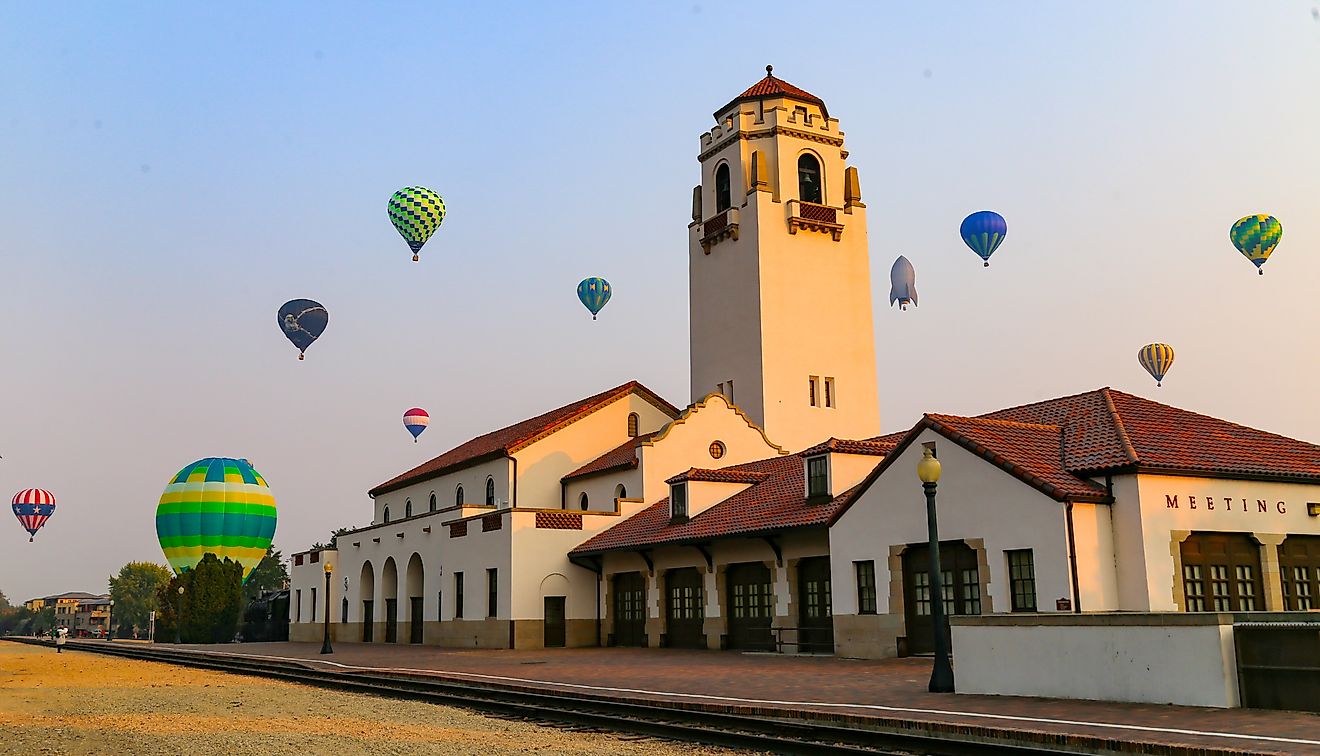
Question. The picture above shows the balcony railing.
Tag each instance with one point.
(810, 216)
(723, 225)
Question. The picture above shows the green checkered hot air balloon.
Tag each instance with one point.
(416, 212)
(1256, 236)
(219, 506)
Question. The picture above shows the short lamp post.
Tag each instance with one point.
(178, 618)
(941, 677)
(109, 616)
(325, 644)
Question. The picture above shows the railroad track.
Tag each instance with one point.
(659, 720)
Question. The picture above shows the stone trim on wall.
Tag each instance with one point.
(1176, 537)
(1271, 578)
(982, 573)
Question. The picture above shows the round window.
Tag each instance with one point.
(716, 449)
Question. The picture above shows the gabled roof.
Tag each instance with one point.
(721, 475)
(621, 457)
(877, 447)
(508, 440)
(776, 501)
(770, 88)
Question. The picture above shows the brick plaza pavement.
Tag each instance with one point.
(884, 692)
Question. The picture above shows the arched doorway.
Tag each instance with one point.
(389, 587)
(367, 591)
(415, 585)
(554, 595)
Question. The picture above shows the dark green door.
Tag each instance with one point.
(415, 619)
(629, 609)
(751, 606)
(960, 581)
(391, 620)
(368, 620)
(685, 609)
(554, 622)
(815, 615)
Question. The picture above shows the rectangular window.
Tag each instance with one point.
(812, 384)
(492, 592)
(458, 595)
(1022, 580)
(313, 605)
(818, 477)
(865, 586)
(678, 501)
(297, 600)
(1193, 588)
(829, 392)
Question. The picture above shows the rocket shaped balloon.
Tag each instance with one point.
(902, 283)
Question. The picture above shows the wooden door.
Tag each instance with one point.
(629, 609)
(1299, 559)
(960, 579)
(368, 621)
(1221, 573)
(685, 609)
(815, 612)
(415, 619)
(751, 606)
(555, 630)
(391, 620)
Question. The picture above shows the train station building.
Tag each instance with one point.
(771, 511)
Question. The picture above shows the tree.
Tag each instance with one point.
(269, 575)
(211, 605)
(134, 592)
(334, 538)
(4, 600)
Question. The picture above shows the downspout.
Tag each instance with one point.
(1072, 560)
(513, 494)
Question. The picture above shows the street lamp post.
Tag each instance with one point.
(109, 615)
(941, 676)
(325, 644)
(178, 618)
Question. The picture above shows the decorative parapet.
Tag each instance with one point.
(718, 228)
(810, 216)
(458, 529)
(558, 521)
(491, 522)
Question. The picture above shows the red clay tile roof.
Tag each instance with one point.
(722, 475)
(508, 440)
(771, 87)
(776, 503)
(878, 446)
(623, 456)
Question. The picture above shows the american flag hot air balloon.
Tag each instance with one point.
(32, 507)
(416, 420)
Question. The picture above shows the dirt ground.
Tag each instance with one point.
(81, 703)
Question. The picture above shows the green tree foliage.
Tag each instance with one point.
(134, 592)
(16, 620)
(211, 604)
(334, 538)
(269, 575)
(4, 600)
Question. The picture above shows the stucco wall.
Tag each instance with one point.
(600, 490)
(473, 480)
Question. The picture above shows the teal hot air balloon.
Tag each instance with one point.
(219, 506)
(594, 293)
(1256, 236)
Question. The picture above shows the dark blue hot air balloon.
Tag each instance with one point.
(302, 321)
(984, 231)
(594, 293)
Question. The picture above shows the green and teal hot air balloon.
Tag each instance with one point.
(416, 213)
(594, 293)
(1256, 236)
(216, 505)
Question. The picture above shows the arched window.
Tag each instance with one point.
(723, 194)
(458, 496)
(407, 508)
(386, 514)
(582, 501)
(620, 492)
(809, 179)
(490, 492)
(632, 425)
(432, 501)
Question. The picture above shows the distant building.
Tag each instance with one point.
(65, 605)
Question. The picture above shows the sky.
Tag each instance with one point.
(171, 173)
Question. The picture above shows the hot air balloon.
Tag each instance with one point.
(1256, 236)
(1157, 359)
(416, 213)
(984, 231)
(219, 506)
(303, 321)
(32, 507)
(902, 284)
(416, 420)
(594, 293)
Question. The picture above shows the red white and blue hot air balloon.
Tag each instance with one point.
(416, 420)
(32, 507)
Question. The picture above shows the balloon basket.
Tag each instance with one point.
(416, 258)
(300, 357)
(985, 264)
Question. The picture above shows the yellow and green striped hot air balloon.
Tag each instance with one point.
(219, 506)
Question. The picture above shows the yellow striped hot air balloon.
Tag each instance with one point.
(1157, 359)
(216, 505)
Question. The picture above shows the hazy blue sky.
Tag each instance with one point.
(170, 175)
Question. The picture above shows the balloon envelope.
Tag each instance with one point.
(416, 420)
(32, 507)
(902, 283)
(984, 231)
(1157, 359)
(302, 321)
(594, 293)
(1256, 236)
(219, 506)
(416, 213)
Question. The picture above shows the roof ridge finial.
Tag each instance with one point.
(770, 71)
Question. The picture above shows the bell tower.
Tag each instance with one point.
(778, 269)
